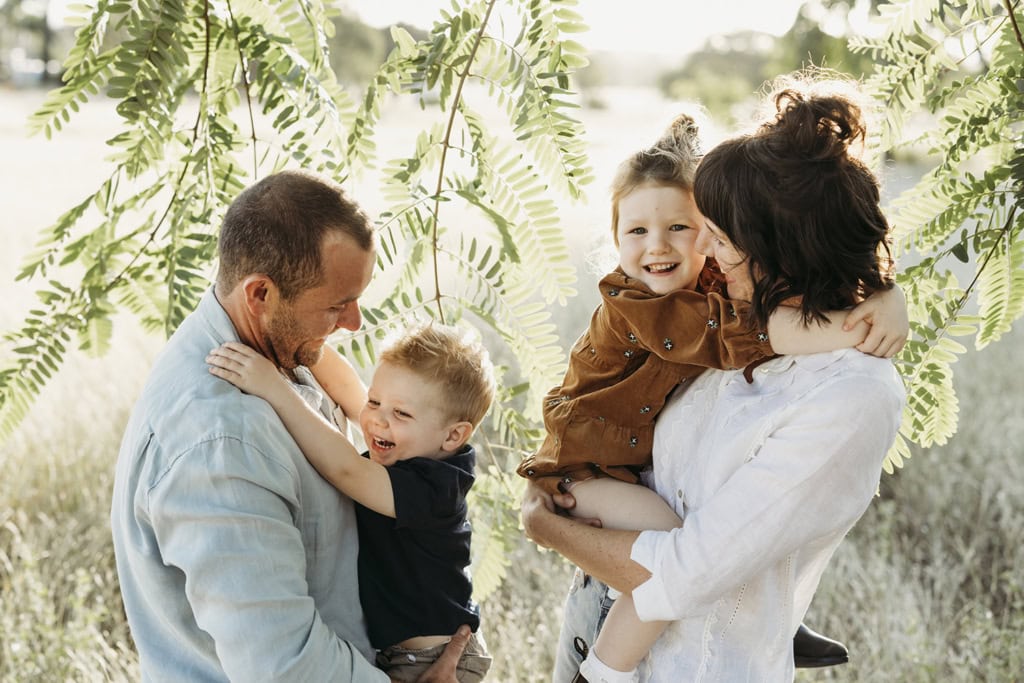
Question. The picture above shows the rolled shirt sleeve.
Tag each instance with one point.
(812, 476)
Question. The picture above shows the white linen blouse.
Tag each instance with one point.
(768, 476)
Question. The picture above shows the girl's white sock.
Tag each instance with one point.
(596, 671)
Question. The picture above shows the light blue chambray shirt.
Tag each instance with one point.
(237, 561)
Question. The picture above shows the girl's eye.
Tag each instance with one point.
(402, 413)
(638, 231)
(678, 227)
(373, 404)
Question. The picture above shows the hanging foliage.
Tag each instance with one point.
(961, 66)
(213, 95)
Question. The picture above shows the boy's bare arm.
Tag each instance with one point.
(327, 449)
(339, 379)
(878, 326)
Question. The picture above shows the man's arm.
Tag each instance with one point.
(603, 553)
(224, 515)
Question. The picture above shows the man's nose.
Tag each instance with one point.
(350, 318)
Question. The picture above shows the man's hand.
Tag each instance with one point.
(443, 670)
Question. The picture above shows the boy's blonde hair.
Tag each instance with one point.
(454, 360)
(671, 161)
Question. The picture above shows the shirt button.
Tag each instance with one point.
(679, 493)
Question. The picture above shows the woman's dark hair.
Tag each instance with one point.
(277, 227)
(804, 210)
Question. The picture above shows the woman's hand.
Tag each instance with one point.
(540, 512)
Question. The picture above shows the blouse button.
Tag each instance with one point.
(645, 410)
(592, 350)
(530, 472)
(762, 337)
(631, 337)
(712, 323)
(633, 441)
(679, 493)
(613, 292)
(628, 353)
(667, 344)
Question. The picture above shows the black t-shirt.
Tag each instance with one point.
(412, 569)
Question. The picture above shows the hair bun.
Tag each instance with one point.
(818, 126)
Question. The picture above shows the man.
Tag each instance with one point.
(237, 561)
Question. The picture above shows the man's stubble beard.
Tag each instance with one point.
(285, 343)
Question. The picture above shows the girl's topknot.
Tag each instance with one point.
(679, 145)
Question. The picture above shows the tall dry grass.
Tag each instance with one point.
(927, 588)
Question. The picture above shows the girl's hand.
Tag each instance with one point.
(886, 312)
(246, 369)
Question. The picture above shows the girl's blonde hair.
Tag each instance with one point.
(671, 161)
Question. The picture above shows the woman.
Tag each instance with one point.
(769, 467)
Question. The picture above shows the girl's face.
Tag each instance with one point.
(712, 242)
(656, 234)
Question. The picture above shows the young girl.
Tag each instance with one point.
(661, 322)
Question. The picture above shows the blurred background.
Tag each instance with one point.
(927, 588)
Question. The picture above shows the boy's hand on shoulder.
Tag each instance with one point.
(886, 312)
(246, 368)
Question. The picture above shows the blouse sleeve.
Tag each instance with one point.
(683, 326)
(812, 477)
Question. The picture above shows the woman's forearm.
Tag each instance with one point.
(602, 553)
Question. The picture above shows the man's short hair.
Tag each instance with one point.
(277, 227)
(453, 359)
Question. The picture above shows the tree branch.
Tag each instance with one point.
(1013, 22)
(444, 151)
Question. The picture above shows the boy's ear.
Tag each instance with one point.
(458, 435)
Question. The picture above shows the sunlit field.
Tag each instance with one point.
(927, 588)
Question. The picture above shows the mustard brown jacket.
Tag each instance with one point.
(638, 348)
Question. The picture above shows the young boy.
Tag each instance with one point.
(429, 392)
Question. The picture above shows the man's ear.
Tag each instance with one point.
(260, 293)
(458, 435)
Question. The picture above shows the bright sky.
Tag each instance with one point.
(667, 27)
(670, 27)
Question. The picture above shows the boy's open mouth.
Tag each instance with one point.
(661, 267)
(383, 445)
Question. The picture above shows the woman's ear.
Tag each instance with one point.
(457, 436)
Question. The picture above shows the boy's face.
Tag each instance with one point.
(656, 231)
(404, 416)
